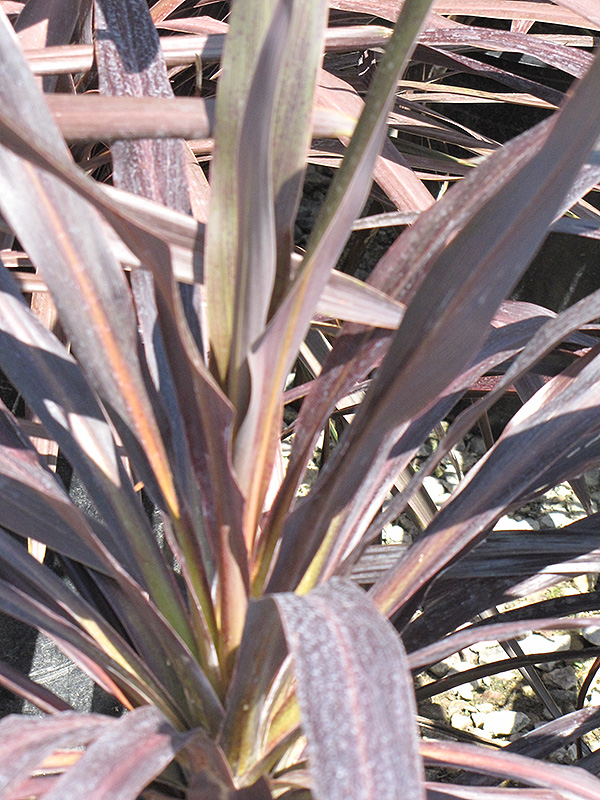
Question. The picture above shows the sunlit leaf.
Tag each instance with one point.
(123, 759)
(500, 239)
(272, 355)
(576, 785)
(359, 740)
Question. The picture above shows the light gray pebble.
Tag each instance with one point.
(461, 722)
(505, 722)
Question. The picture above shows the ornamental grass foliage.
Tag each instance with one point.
(167, 333)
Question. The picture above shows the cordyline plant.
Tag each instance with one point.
(249, 662)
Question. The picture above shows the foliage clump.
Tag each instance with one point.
(157, 317)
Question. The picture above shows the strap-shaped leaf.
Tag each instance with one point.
(135, 226)
(347, 298)
(240, 241)
(131, 63)
(475, 270)
(57, 391)
(124, 675)
(27, 741)
(588, 10)
(94, 116)
(450, 791)
(87, 283)
(294, 108)
(123, 759)
(48, 23)
(123, 755)
(162, 8)
(38, 695)
(272, 356)
(355, 694)
(93, 299)
(494, 632)
(571, 783)
(264, 105)
(261, 655)
(73, 416)
(55, 388)
(558, 56)
(546, 739)
(508, 9)
(552, 438)
(398, 181)
(35, 504)
(555, 330)
(376, 477)
(161, 664)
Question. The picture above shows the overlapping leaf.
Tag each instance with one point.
(48, 23)
(142, 744)
(562, 431)
(108, 351)
(439, 272)
(572, 784)
(28, 741)
(353, 750)
(240, 278)
(376, 481)
(489, 253)
(123, 759)
(550, 334)
(272, 356)
(163, 673)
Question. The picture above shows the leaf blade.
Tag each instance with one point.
(123, 759)
(352, 732)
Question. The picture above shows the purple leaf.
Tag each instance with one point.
(87, 283)
(443, 791)
(161, 670)
(356, 506)
(34, 503)
(494, 632)
(567, 59)
(247, 713)
(27, 741)
(123, 759)
(38, 695)
(569, 782)
(48, 23)
(107, 117)
(543, 12)
(398, 181)
(355, 696)
(544, 740)
(268, 361)
(130, 63)
(552, 438)
(590, 11)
